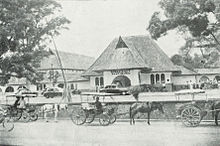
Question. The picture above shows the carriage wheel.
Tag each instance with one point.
(112, 108)
(104, 120)
(191, 116)
(90, 117)
(33, 116)
(112, 118)
(25, 117)
(16, 115)
(8, 124)
(78, 116)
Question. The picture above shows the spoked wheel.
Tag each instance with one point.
(78, 116)
(33, 116)
(104, 120)
(90, 116)
(191, 116)
(112, 108)
(112, 118)
(8, 124)
(16, 115)
(25, 117)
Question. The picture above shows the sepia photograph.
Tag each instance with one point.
(109, 72)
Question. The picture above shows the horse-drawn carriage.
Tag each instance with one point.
(88, 109)
(192, 112)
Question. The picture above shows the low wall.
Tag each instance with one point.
(170, 111)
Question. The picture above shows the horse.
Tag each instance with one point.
(215, 107)
(55, 108)
(146, 107)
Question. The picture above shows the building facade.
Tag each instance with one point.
(135, 60)
(129, 61)
(73, 65)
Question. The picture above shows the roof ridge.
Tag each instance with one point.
(91, 66)
(138, 53)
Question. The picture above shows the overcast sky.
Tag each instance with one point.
(95, 23)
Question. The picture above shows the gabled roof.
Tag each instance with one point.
(69, 61)
(185, 71)
(141, 52)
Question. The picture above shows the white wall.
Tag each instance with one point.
(133, 76)
(182, 80)
(145, 77)
(83, 85)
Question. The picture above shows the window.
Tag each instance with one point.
(96, 81)
(152, 79)
(72, 86)
(101, 81)
(157, 78)
(162, 78)
(121, 44)
(38, 88)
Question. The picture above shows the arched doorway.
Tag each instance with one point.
(204, 79)
(122, 81)
(217, 79)
(9, 89)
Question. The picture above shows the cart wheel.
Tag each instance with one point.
(90, 117)
(112, 108)
(112, 118)
(16, 115)
(33, 116)
(191, 116)
(104, 120)
(78, 116)
(8, 124)
(25, 117)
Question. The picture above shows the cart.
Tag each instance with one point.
(87, 111)
(6, 120)
(192, 112)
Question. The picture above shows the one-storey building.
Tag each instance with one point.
(135, 60)
(127, 61)
(132, 60)
(73, 65)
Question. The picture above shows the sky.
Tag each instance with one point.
(95, 23)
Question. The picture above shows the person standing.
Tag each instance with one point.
(22, 103)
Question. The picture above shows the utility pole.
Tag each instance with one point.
(66, 93)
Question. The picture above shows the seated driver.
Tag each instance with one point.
(98, 105)
(16, 103)
(22, 103)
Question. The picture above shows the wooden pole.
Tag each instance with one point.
(66, 93)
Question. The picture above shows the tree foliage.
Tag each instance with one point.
(184, 15)
(53, 76)
(25, 28)
(196, 20)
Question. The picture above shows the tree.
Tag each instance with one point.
(53, 76)
(25, 29)
(177, 59)
(196, 20)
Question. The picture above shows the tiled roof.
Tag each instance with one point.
(138, 52)
(69, 61)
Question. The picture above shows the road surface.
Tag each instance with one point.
(159, 133)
